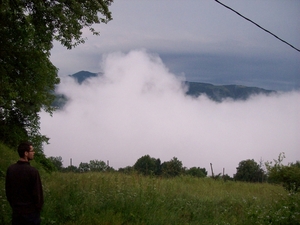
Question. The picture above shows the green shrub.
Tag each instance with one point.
(287, 175)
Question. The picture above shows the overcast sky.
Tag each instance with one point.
(200, 39)
(138, 106)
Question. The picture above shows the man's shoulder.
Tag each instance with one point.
(12, 166)
(21, 165)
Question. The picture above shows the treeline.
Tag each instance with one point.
(247, 170)
(145, 165)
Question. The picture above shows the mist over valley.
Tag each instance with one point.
(136, 106)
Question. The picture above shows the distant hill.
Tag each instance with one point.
(83, 75)
(215, 92)
(220, 92)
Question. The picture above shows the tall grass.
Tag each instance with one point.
(116, 198)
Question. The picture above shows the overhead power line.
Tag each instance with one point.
(258, 25)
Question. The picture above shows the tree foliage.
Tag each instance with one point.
(287, 175)
(71, 168)
(27, 76)
(94, 166)
(84, 167)
(196, 172)
(172, 168)
(147, 165)
(57, 162)
(126, 170)
(250, 171)
(98, 165)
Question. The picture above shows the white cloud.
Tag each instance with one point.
(138, 107)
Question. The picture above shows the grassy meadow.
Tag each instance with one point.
(116, 198)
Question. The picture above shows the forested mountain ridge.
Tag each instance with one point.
(221, 92)
(215, 92)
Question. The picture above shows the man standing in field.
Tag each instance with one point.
(24, 188)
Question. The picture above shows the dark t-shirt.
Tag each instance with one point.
(24, 188)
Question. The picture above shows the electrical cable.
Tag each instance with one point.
(258, 25)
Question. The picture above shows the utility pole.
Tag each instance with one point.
(212, 172)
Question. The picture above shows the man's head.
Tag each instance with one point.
(25, 151)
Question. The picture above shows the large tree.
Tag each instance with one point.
(147, 165)
(27, 76)
(250, 171)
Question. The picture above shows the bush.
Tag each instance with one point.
(287, 175)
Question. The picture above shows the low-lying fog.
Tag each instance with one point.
(138, 107)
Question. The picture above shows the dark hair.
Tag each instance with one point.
(24, 147)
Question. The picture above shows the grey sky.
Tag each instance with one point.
(201, 39)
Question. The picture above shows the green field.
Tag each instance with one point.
(116, 198)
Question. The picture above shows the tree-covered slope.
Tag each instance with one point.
(215, 92)
(221, 92)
